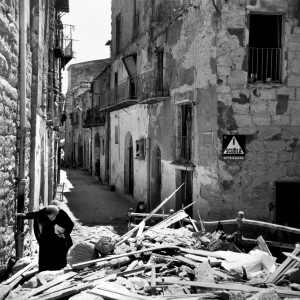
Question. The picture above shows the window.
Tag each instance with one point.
(140, 149)
(116, 134)
(184, 137)
(160, 70)
(118, 33)
(265, 48)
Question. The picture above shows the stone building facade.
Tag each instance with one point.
(31, 58)
(186, 73)
(82, 136)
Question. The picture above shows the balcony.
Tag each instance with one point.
(93, 117)
(264, 65)
(74, 116)
(145, 88)
(183, 149)
(63, 44)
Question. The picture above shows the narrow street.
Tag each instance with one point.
(92, 206)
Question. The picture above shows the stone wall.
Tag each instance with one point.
(9, 121)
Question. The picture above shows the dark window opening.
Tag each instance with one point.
(184, 139)
(160, 70)
(116, 86)
(118, 33)
(265, 48)
(140, 149)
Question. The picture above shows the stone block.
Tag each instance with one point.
(261, 119)
(293, 108)
(267, 294)
(272, 104)
(295, 67)
(243, 120)
(281, 120)
(248, 130)
(295, 120)
(256, 145)
(237, 77)
(260, 107)
(293, 46)
(224, 61)
(225, 98)
(225, 89)
(293, 170)
(294, 55)
(267, 94)
(289, 91)
(295, 38)
(293, 81)
(240, 108)
(285, 156)
(298, 94)
(223, 71)
(277, 145)
(80, 252)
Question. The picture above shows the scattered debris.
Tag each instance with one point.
(181, 262)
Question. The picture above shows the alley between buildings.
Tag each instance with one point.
(92, 206)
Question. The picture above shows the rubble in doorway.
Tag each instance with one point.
(169, 260)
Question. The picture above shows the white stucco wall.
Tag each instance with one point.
(133, 119)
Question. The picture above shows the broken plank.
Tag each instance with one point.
(187, 261)
(282, 268)
(91, 262)
(193, 223)
(232, 287)
(200, 252)
(19, 273)
(262, 245)
(222, 275)
(66, 292)
(213, 261)
(291, 255)
(50, 284)
(153, 280)
(109, 293)
(131, 232)
(270, 243)
(254, 222)
(141, 229)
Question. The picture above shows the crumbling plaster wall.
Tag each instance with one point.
(135, 121)
(190, 55)
(267, 114)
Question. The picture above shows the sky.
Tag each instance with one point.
(92, 21)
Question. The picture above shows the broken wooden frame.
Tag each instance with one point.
(231, 222)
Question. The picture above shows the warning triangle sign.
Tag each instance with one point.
(234, 147)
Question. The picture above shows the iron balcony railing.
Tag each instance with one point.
(93, 116)
(264, 65)
(151, 84)
(183, 148)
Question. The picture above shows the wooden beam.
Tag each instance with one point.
(19, 273)
(262, 245)
(91, 262)
(133, 230)
(231, 287)
(50, 284)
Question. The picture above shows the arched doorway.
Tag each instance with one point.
(128, 165)
(156, 182)
(97, 152)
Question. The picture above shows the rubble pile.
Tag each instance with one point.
(161, 263)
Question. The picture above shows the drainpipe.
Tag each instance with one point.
(19, 235)
(148, 153)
